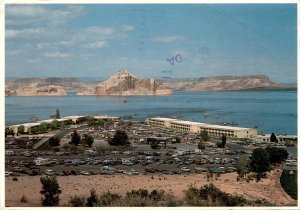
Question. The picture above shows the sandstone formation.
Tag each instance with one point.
(220, 83)
(50, 90)
(125, 84)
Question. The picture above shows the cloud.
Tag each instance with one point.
(95, 45)
(40, 14)
(172, 38)
(127, 28)
(175, 52)
(12, 33)
(57, 54)
(24, 10)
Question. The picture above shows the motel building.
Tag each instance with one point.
(197, 127)
(106, 117)
(281, 138)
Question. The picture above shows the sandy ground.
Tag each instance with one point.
(269, 188)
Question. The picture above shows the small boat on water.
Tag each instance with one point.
(34, 118)
(216, 116)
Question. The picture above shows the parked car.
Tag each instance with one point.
(85, 173)
(185, 169)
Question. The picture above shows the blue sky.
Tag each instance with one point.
(207, 40)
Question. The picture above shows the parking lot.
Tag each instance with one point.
(175, 158)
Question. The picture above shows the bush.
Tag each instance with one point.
(88, 139)
(277, 155)
(15, 179)
(75, 138)
(140, 192)
(108, 199)
(93, 199)
(171, 201)
(204, 135)
(77, 201)
(119, 139)
(201, 145)
(154, 145)
(54, 141)
(209, 195)
(50, 191)
(23, 199)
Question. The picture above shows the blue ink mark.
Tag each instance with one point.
(177, 58)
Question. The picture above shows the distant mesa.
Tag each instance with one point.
(123, 83)
(223, 83)
(50, 90)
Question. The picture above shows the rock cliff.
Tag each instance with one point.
(230, 83)
(124, 83)
(50, 90)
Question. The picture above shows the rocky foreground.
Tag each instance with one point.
(268, 189)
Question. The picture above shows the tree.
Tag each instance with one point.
(273, 138)
(260, 162)
(242, 166)
(177, 139)
(201, 145)
(154, 145)
(88, 139)
(204, 135)
(54, 124)
(91, 120)
(50, 191)
(92, 200)
(223, 140)
(119, 139)
(100, 123)
(43, 127)
(57, 116)
(54, 141)
(75, 138)
(277, 155)
(21, 129)
(8, 131)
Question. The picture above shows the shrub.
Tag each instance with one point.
(15, 179)
(77, 201)
(119, 139)
(75, 138)
(108, 199)
(171, 201)
(277, 155)
(23, 199)
(93, 199)
(50, 191)
(54, 141)
(201, 145)
(140, 192)
(209, 195)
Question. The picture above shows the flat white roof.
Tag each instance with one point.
(224, 127)
(162, 118)
(188, 122)
(104, 116)
(73, 117)
(25, 124)
(205, 125)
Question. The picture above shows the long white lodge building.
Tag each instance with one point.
(197, 127)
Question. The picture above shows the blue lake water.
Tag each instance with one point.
(270, 111)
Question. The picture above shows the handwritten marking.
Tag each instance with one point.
(177, 58)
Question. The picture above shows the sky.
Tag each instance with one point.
(151, 40)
